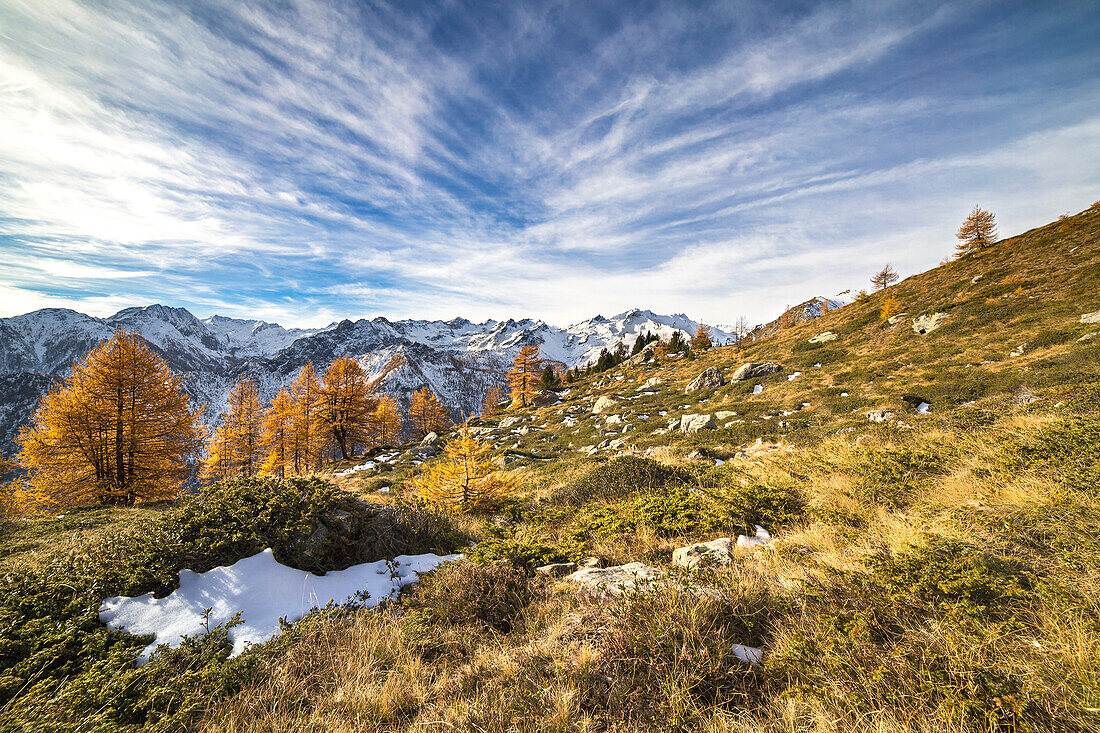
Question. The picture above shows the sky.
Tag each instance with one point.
(304, 161)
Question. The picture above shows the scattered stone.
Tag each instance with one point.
(1088, 336)
(606, 583)
(674, 424)
(929, 323)
(603, 404)
(715, 552)
(755, 369)
(708, 379)
(510, 421)
(896, 319)
(651, 383)
(557, 569)
(724, 414)
(613, 420)
(503, 460)
(974, 280)
(695, 423)
(591, 562)
(824, 337)
(1018, 351)
(1093, 317)
(696, 455)
(748, 654)
(880, 415)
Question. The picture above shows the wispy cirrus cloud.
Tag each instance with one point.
(316, 159)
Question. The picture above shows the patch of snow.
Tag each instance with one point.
(793, 375)
(923, 408)
(369, 465)
(263, 591)
(758, 389)
(817, 364)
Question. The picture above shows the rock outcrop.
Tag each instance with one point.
(709, 379)
(755, 370)
(929, 323)
(715, 552)
(603, 404)
(695, 423)
(605, 583)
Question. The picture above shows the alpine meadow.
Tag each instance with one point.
(710, 367)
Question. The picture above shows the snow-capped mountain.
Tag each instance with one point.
(457, 359)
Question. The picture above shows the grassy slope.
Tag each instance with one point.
(938, 572)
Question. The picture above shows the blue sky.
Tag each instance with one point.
(304, 161)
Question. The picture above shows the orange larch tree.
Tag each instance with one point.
(523, 378)
(491, 403)
(344, 407)
(119, 430)
(278, 434)
(305, 448)
(236, 448)
(701, 340)
(426, 413)
(463, 478)
(386, 422)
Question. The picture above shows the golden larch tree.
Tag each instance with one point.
(701, 340)
(236, 447)
(978, 230)
(119, 430)
(890, 307)
(344, 407)
(278, 434)
(523, 378)
(426, 413)
(491, 403)
(463, 478)
(305, 447)
(386, 422)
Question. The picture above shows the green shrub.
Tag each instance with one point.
(518, 552)
(618, 478)
(770, 505)
(890, 476)
(672, 512)
(466, 592)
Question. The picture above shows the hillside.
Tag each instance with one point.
(917, 496)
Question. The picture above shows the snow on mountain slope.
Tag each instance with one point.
(248, 337)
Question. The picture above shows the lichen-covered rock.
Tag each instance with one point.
(695, 423)
(1093, 317)
(603, 404)
(715, 552)
(557, 569)
(823, 337)
(606, 583)
(708, 379)
(756, 369)
(929, 322)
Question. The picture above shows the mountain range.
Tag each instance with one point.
(458, 359)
